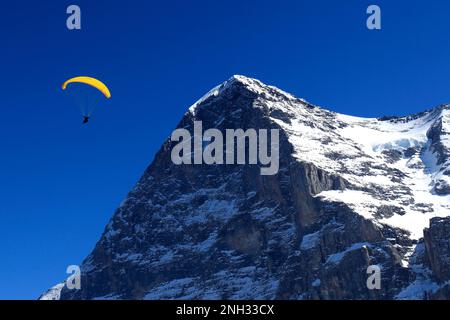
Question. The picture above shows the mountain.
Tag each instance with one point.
(350, 193)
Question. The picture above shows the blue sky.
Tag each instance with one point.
(61, 181)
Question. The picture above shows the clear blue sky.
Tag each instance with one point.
(61, 181)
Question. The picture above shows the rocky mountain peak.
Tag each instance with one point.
(350, 193)
(243, 86)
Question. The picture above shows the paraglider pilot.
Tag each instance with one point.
(95, 83)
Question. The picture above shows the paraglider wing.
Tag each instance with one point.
(91, 82)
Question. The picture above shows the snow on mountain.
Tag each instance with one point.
(387, 163)
(350, 192)
(54, 293)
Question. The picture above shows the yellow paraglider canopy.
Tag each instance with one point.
(91, 82)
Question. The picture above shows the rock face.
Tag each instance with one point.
(350, 193)
(437, 244)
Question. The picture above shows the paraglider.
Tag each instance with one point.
(92, 82)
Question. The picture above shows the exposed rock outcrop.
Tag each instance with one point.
(437, 245)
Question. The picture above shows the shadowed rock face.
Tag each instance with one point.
(437, 244)
(228, 232)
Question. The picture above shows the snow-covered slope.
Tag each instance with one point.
(54, 293)
(390, 165)
(350, 192)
